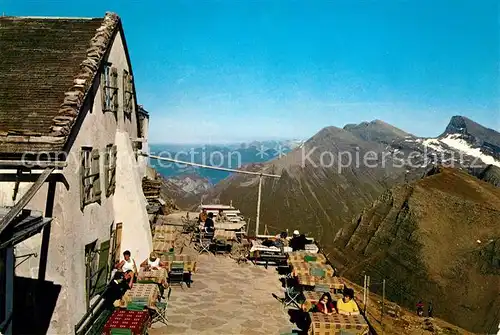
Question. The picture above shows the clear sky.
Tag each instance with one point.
(236, 70)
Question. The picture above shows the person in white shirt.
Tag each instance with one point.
(127, 263)
(153, 262)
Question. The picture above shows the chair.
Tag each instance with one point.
(291, 297)
(161, 310)
(176, 274)
(206, 240)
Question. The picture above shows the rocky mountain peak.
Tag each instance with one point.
(376, 130)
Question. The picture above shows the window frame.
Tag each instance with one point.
(90, 181)
(109, 89)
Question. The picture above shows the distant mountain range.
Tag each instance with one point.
(194, 180)
(380, 202)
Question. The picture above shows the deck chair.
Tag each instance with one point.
(205, 241)
(160, 312)
(291, 297)
(176, 274)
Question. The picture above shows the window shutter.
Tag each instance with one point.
(125, 89)
(82, 180)
(107, 167)
(102, 271)
(118, 242)
(112, 176)
(130, 93)
(96, 181)
(114, 84)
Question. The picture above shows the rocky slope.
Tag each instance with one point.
(435, 240)
(191, 184)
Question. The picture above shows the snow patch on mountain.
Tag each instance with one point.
(455, 142)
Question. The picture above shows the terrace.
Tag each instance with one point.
(225, 293)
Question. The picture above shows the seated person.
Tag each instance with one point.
(221, 217)
(280, 240)
(152, 263)
(324, 305)
(209, 223)
(127, 263)
(298, 242)
(122, 281)
(347, 305)
(203, 216)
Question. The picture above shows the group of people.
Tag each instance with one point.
(346, 305)
(297, 242)
(206, 220)
(125, 276)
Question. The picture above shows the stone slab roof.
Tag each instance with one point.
(46, 67)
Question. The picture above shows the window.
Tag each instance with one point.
(90, 183)
(109, 89)
(110, 170)
(128, 91)
(97, 268)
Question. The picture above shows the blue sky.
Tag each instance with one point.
(223, 71)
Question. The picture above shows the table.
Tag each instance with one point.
(149, 291)
(189, 262)
(334, 324)
(229, 226)
(305, 268)
(158, 276)
(136, 321)
(225, 234)
(162, 245)
(164, 229)
(308, 280)
(299, 256)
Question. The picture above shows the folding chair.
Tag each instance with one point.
(160, 312)
(206, 240)
(291, 297)
(176, 273)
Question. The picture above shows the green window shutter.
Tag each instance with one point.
(107, 167)
(96, 181)
(102, 272)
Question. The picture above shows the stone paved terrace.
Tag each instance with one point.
(226, 298)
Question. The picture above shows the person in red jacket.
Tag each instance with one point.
(325, 305)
